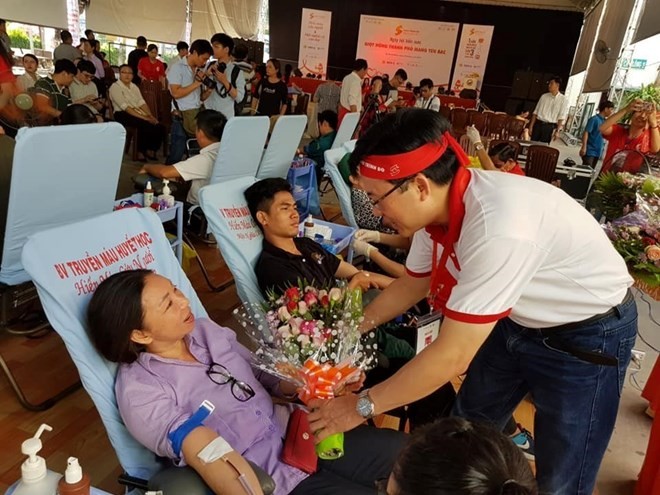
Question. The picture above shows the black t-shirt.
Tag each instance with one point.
(134, 58)
(271, 97)
(278, 270)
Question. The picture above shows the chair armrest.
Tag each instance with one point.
(185, 481)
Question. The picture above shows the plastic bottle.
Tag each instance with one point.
(166, 197)
(308, 227)
(148, 195)
(74, 481)
(36, 479)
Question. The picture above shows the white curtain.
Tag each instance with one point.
(649, 23)
(156, 20)
(51, 13)
(612, 31)
(237, 18)
(587, 39)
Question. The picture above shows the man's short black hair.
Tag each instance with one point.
(141, 41)
(66, 36)
(426, 82)
(503, 152)
(212, 124)
(407, 130)
(86, 66)
(604, 105)
(556, 79)
(402, 74)
(181, 45)
(2, 21)
(224, 39)
(330, 117)
(201, 47)
(65, 65)
(260, 195)
(241, 52)
(360, 64)
(87, 31)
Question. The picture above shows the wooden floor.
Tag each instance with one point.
(43, 367)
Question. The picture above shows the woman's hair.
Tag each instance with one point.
(77, 114)
(407, 130)
(30, 55)
(276, 63)
(456, 457)
(152, 47)
(6, 56)
(114, 311)
(503, 152)
(374, 79)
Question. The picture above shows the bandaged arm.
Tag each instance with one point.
(222, 473)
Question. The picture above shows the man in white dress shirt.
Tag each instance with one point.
(550, 113)
(350, 99)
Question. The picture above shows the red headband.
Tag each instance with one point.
(402, 165)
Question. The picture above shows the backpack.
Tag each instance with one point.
(238, 105)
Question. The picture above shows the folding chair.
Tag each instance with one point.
(242, 146)
(79, 166)
(303, 183)
(50, 257)
(346, 129)
(284, 142)
(332, 158)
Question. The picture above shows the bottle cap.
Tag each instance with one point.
(73, 473)
(33, 469)
(148, 185)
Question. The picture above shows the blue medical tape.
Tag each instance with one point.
(177, 436)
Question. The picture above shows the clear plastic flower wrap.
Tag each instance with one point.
(310, 337)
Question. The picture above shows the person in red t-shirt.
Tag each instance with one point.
(500, 157)
(642, 135)
(7, 78)
(150, 67)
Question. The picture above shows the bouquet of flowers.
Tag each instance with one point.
(310, 337)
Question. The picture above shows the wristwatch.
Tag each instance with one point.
(478, 146)
(365, 406)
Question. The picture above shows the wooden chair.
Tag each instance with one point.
(541, 162)
(479, 120)
(459, 120)
(514, 128)
(495, 142)
(445, 111)
(496, 125)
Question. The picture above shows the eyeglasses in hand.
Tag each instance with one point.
(242, 391)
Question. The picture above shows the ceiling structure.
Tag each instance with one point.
(572, 5)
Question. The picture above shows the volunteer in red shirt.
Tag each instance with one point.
(150, 67)
(642, 135)
(535, 298)
(500, 157)
(7, 78)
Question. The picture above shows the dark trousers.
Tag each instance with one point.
(576, 401)
(369, 456)
(178, 138)
(149, 136)
(590, 161)
(542, 131)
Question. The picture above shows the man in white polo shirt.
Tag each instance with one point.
(535, 298)
(350, 98)
(550, 113)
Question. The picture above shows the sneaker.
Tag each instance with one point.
(525, 442)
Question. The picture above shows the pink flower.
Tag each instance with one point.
(310, 299)
(283, 314)
(307, 327)
(295, 325)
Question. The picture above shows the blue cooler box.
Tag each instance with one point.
(342, 235)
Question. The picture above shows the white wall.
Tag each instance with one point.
(648, 49)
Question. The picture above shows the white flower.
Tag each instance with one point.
(302, 307)
(283, 314)
(303, 339)
(335, 294)
(284, 331)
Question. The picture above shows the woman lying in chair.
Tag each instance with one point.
(170, 363)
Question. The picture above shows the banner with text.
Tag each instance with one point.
(422, 48)
(472, 57)
(314, 42)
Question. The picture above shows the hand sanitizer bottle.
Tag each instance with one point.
(75, 482)
(166, 197)
(35, 477)
(148, 195)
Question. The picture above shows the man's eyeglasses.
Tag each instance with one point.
(374, 202)
(242, 391)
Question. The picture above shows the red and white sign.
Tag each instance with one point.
(314, 42)
(421, 48)
(472, 57)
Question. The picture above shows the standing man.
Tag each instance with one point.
(550, 113)
(350, 98)
(89, 34)
(182, 52)
(136, 55)
(88, 54)
(4, 37)
(188, 92)
(535, 299)
(229, 78)
(592, 139)
(66, 49)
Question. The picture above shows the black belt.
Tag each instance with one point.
(552, 337)
(543, 122)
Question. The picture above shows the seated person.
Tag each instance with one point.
(30, 78)
(52, 99)
(456, 456)
(84, 91)
(197, 168)
(287, 259)
(327, 121)
(77, 114)
(427, 99)
(500, 157)
(169, 362)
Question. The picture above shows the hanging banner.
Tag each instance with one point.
(422, 48)
(472, 57)
(314, 42)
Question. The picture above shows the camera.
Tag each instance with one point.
(209, 83)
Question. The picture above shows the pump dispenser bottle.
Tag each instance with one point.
(74, 481)
(35, 477)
